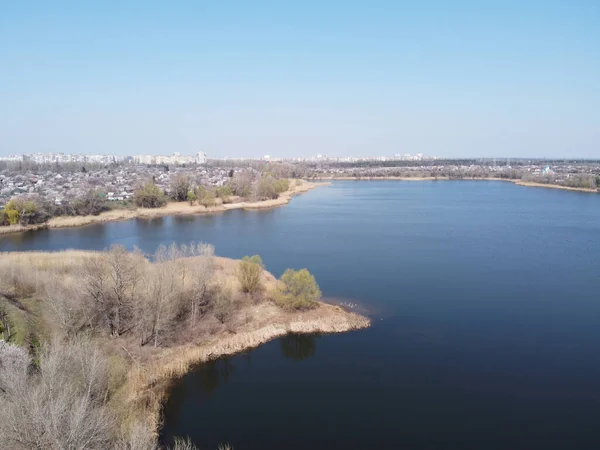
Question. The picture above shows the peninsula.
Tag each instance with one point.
(128, 324)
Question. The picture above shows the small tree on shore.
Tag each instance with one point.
(191, 197)
(249, 274)
(149, 195)
(299, 290)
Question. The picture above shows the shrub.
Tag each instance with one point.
(298, 290)
(206, 197)
(3, 218)
(149, 195)
(26, 210)
(191, 197)
(224, 192)
(180, 187)
(241, 183)
(265, 188)
(92, 204)
(281, 185)
(222, 302)
(249, 273)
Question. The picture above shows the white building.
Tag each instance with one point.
(200, 158)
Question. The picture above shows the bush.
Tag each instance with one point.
(222, 302)
(241, 183)
(281, 185)
(149, 195)
(224, 192)
(264, 189)
(191, 197)
(92, 204)
(249, 273)
(4, 218)
(206, 197)
(26, 210)
(180, 187)
(298, 290)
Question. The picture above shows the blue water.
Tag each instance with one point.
(486, 319)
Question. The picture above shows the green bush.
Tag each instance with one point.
(281, 185)
(266, 188)
(298, 290)
(149, 195)
(206, 197)
(26, 210)
(191, 197)
(249, 274)
(224, 192)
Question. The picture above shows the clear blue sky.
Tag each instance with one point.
(449, 78)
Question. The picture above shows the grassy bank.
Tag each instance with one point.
(54, 297)
(171, 209)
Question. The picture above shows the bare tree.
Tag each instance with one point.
(203, 272)
(14, 362)
(67, 308)
(61, 406)
(5, 324)
(123, 276)
(94, 285)
(222, 302)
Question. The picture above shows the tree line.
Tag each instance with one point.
(31, 209)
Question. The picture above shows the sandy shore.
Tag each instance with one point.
(171, 209)
(517, 182)
(553, 186)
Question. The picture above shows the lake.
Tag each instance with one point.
(485, 301)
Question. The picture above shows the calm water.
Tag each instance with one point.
(486, 326)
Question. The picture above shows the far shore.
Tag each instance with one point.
(171, 209)
(517, 182)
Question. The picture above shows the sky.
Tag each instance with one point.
(298, 78)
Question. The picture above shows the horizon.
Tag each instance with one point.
(346, 80)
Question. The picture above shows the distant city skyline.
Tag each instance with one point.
(450, 79)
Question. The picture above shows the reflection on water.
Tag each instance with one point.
(212, 374)
(298, 346)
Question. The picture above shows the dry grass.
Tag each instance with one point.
(146, 385)
(141, 374)
(553, 186)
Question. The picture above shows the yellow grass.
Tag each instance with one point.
(147, 385)
(148, 370)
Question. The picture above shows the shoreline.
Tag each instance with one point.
(171, 209)
(517, 182)
(150, 385)
(145, 373)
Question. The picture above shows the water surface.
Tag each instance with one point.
(486, 330)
